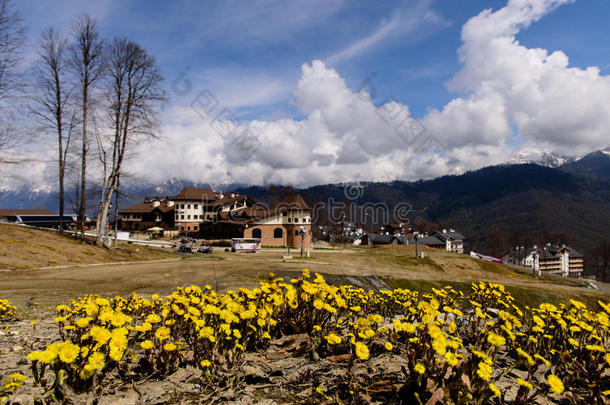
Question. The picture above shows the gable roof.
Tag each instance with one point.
(197, 194)
(145, 208)
(293, 201)
(432, 240)
(453, 235)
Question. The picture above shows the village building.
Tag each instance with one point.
(282, 225)
(555, 259)
(152, 213)
(39, 218)
(449, 240)
(199, 207)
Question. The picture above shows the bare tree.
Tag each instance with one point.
(134, 96)
(87, 63)
(12, 37)
(50, 102)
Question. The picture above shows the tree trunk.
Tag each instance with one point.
(83, 180)
(116, 212)
(61, 174)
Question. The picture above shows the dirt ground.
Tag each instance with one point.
(225, 270)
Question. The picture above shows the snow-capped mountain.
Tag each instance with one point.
(542, 158)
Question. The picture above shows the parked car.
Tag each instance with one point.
(205, 249)
(184, 248)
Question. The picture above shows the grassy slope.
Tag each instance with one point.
(22, 248)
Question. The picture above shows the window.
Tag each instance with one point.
(289, 219)
(296, 233)
(278, 233)
(182, 206)
(188, 206)
(256, 233)
(188, 228)
(181, 216)
(296, 220)
(188, 217)
(284, 213)
(195, 206)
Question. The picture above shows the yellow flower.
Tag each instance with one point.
(34, 356)
(169, 347)
(495, 389)
(496, 340)
(419, 368)
(555, 383)
(320, 389)
(100, 335)
(595, 348)
(96, 360)
(48, 356)
(451, 359)
(524, 383)
(68, 352)
(147, 345)
(162, 333)
(388, 346)
(205, 363)
(362, 351)
(484, 371)
(542, 359)
(332, 339)
(153, 318)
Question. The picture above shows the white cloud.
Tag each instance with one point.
(564, 108)
(345, 136)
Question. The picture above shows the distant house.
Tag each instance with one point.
(383, 239)
(40, 218)
(282, 224)
(155, 212)
(450, 240)
(556, 259)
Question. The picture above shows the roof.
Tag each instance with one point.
(197, 194)
(145, 208)
(293, 201)
(290, 202)
(453, 235)
(432, 240)
(14, 212)
(379, 238)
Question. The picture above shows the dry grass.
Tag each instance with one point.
(25, 248)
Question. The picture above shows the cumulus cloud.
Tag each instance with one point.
(553, 105)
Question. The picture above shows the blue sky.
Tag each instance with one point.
(233, 41)
(250, 56)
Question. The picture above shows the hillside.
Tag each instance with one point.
(23, 248)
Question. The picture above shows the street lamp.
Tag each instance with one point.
(302, 232)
